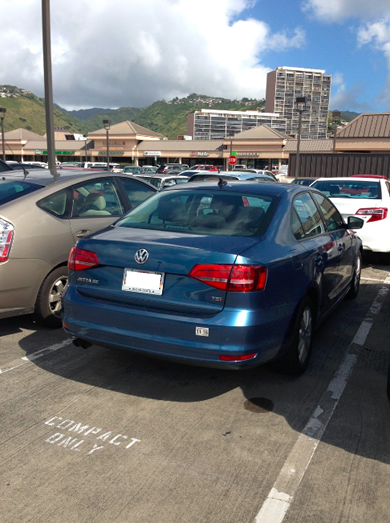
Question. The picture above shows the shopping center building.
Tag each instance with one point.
(129, 143)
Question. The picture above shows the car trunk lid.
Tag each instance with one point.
(163, 263)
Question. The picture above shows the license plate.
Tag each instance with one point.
(145, 282)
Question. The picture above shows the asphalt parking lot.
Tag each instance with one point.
(103, 436)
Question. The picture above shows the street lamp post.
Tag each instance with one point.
(301, 106)
(86, 148)
(2, 115)
(106, 124)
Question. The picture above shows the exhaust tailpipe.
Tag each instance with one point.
(81, 343)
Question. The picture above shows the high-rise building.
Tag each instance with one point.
(285, 84)
(211, 124)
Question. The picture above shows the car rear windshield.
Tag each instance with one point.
(204, 212)
(11, 190)
(350, 189)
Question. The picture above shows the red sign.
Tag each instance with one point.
(232, 160)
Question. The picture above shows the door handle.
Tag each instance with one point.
(82, 233)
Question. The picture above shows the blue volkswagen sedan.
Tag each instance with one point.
(225, 274)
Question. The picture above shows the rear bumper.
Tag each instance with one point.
(170, 336)
(20, 280)
(375, 235)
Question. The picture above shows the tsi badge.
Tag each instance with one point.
(201, 331)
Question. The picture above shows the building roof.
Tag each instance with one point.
(181, 145)
(368, 125)
(126, 128)
(260, 132)
(63, 145)
(23, 134)
(309, 146)
(235, 113)
(299, 69)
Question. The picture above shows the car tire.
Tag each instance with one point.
(355, 284)
(48, 308)
(296, 358)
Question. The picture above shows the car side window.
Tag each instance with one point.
(136, 191)
(309, 216)
(96, 198)
(296, 226)
(333, 218)
(56, 204)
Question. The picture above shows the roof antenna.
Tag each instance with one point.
(25, 171)
(221, 183)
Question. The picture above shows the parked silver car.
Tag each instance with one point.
(161, 181)
(40, 221)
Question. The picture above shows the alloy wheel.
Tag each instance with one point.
(305, 334)
(55, 296)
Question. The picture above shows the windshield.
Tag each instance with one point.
(204, 212)
(349, 189)
(11, 190)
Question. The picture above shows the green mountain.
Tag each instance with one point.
(347, 116)
(166, 118)
(27, 111)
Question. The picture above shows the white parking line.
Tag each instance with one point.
(286, 485)
(375, 280)
(34, 356)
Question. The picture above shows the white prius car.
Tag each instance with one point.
(367, 198)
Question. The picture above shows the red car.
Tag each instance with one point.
(203, 167)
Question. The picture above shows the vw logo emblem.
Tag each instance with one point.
(141, 256)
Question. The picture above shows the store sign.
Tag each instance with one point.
(247, 154)
(199, 153)
(152, 153)
(114, 143)
(104, 153)
(61, 153)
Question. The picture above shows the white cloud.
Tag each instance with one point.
(337, 10)
(377, 34)
(347, 99)
(111, 53)
(373, 18)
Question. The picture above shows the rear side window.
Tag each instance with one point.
(332, 217)
(309, 219)
(12, 190)
(56, 204)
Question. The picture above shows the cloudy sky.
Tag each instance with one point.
(131, 53)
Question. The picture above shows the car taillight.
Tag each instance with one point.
(378, 213)
(233, 278)
(6, 237)
(80, 260)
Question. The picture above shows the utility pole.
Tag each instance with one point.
(47, 73)
(301, 106)
(2, 115)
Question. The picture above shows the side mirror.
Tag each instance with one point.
(354, 222)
